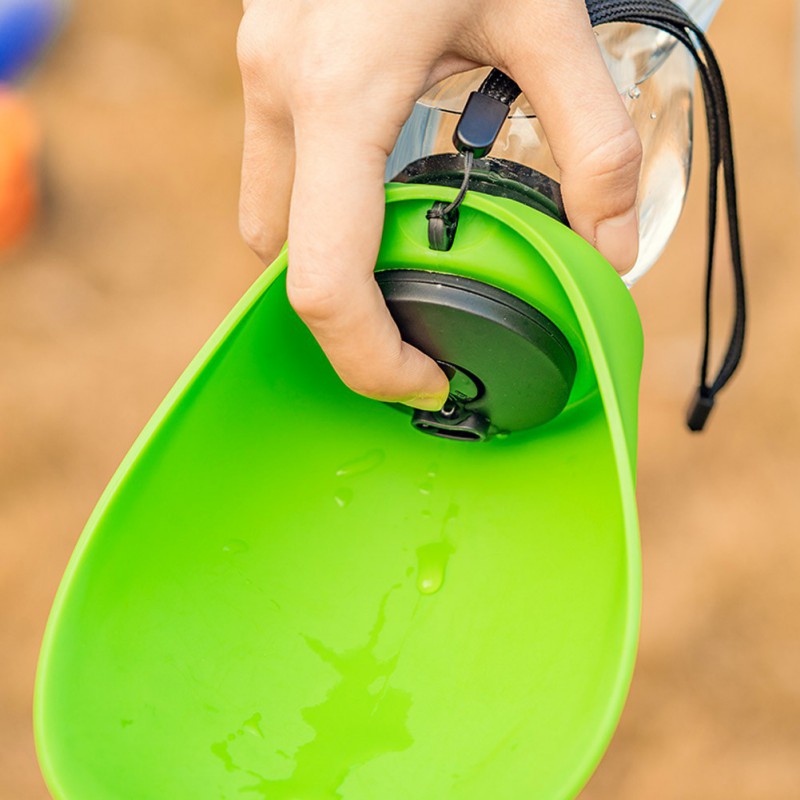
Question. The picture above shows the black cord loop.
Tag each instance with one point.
(482, 125)
(443, 217)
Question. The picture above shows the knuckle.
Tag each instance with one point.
(257, 44)
(617, 157)
(247, 49)
(320, 79)
(314, 298)
(400, 359)
(251, 60)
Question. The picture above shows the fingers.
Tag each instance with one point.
(268, 155)
(336, 223)
(329, 195)
(590, 133)
(335, 178)
(267, 173)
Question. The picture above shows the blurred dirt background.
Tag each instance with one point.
(137, 258)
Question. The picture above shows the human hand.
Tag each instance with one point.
(327, 87)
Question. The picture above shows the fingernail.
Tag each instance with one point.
(617, 239)
(427, 402)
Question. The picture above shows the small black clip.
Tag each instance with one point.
(442, 225)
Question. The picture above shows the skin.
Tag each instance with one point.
(327, 86)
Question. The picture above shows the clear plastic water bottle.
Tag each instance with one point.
(655, 78)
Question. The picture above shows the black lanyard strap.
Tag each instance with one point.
(487, 109)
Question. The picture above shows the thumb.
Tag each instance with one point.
(593, 140)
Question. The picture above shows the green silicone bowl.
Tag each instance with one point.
(286, 592)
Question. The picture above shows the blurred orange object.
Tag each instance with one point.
(19, 146)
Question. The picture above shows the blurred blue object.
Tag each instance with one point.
(26, 28)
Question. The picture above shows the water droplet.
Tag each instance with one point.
(253, 726)
(452, 512)
(362, 464)
(426, 487)
(653, 115)
(220, 750)
(352, 725)
(343, 497)
(431, 565)
(634, 93)
(233, 546)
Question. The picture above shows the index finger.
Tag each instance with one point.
(335, 226)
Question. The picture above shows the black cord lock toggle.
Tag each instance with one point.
(480, 124)
(699, 410)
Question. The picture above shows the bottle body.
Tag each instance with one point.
(655, 77)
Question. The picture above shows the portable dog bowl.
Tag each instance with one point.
(291, 592)
(288, 591)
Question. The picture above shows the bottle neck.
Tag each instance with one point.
(494, 176)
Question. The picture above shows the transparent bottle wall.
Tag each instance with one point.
(655, 78)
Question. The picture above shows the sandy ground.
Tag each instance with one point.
(138, 258)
